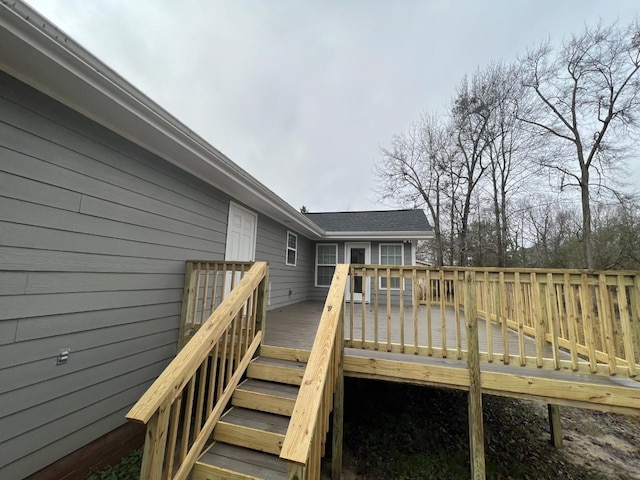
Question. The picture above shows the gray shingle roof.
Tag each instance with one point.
(372, 221)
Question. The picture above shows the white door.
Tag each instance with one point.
(242, 227)
(241, 234)
(358, 253)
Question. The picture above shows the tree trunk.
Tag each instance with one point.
(586, 219)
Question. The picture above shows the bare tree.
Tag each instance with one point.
(584, 97)
(411, 172)
(471, 112)
(509, 150)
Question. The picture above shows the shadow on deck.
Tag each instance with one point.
(294, 328)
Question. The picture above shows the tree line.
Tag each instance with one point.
(528, 165)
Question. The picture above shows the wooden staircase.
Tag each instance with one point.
(248, 437)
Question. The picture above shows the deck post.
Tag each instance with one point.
(338, 404)
(186, 318)
(554, 425)
(476, 429)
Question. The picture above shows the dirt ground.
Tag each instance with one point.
(597, 445)
(609, 444)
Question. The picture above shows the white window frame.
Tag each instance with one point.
(335, 246)
(289, 248)
(399, 265)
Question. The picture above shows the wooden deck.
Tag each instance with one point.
(294, 327)
(558, 337)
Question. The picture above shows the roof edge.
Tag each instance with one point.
(187, 150)
(378, 235)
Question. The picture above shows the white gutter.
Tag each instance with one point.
(35, 51)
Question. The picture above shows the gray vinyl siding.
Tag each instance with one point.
(94, 235)
(287, 284)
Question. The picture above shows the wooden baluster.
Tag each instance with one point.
(260, 323)
(443, 316)
(401, 293)
(562, 311)
(627, 334)
(186, 423)
(428, 296)
(501, 298)
(487, 315)
(352, 282)
(186, 324)
(376, 280)
(202, 383)
(222, 374)
(388, 277)
(213, 371)
(173, 437)
(232, 347)
(587, 321)
(205, 293)
(553, 316)
(223, 287)
(457, 286)
(363, 305)
(214, 288)
(606, 322)
(540, 327)
(572, 320)
(196, 297)
(519, 312)
(416, 307)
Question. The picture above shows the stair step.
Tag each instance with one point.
(265, 396)
(223, 462)
(276, 370)
(285, 353)
(252, 429)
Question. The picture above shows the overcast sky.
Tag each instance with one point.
(301, 94)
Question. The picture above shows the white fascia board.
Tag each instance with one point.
(366, 236)
(35, 51)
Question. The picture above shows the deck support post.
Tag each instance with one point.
(555, 427)
(338, 405)
(476, 429)
(186, 318)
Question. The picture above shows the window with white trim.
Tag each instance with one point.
(292, 249)
(391, 254)
(326, 261)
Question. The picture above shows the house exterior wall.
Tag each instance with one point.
(94, 235)
(320, 293)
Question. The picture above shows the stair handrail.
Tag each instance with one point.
(304, 441)
(231, 334)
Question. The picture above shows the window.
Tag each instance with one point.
(292, 249)
(326, 260)
(391, 254)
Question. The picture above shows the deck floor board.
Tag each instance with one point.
(295, 326)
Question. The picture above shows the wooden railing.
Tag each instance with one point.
(207, 283)
(304, 443)
(183, 405)
(576, 320)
